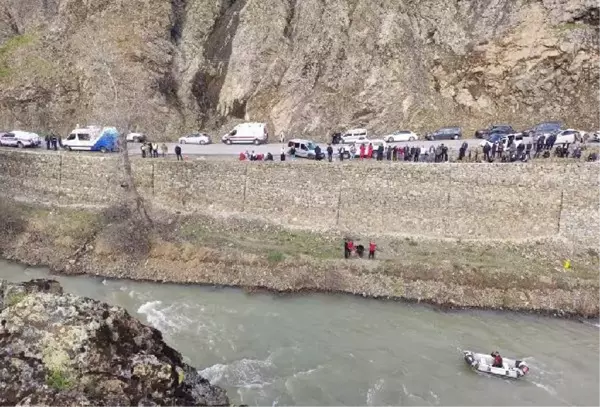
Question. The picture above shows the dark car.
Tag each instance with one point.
(496, 128)
(446, 133)
(545, 129)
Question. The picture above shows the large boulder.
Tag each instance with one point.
(60, 349)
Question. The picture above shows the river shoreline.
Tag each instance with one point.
(75, 242)
(251, 290)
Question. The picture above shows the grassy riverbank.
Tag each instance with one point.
(525, 275)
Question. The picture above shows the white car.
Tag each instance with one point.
(196, 138)
(355, 136)
(20, 139)
(402, 135)
(569, 136)
(502, 139)
(136, 138)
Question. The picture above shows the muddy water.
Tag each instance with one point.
(342, 350)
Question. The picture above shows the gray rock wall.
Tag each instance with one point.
(307, 67)
(479, 201)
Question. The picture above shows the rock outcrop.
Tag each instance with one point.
(307, 67)
(60, 349)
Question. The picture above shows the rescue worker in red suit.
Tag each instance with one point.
(370, 151)
(372, 248)
(362, 151)
(497, 359)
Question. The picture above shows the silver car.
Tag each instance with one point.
(20, 139)
(195, 138)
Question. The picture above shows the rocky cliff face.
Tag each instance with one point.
(307, 66)
(59, 349)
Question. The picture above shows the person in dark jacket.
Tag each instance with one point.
(444, 153)
(329, 153)
(462, 151)
(486, 152)
(318, 154)
(47, 140)
(380, 152)
(178, 153)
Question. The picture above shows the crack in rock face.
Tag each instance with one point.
(60, 349)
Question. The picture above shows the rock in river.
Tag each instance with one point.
(60, 349)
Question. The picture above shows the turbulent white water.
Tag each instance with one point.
(342, 350)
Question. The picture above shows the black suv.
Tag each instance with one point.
(494, 129)
(446, 133)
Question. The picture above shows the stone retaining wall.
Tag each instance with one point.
(485, 201)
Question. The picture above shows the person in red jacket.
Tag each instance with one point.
(370, 151)
(362, 151)
(497, 359)
(242, 156)
(350, 247)
(372, 248)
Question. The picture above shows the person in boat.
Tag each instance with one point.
(497, 359)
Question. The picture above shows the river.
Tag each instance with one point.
(342, 350)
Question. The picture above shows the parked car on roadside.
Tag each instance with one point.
(496, 128)
(195, 138)
(355, 136)
(501, 139)
(569, 136)
(136, 138)
(543, 129)
(305, 148)
(402, 135)
(20, 139)
(445, 133)
(247, 133)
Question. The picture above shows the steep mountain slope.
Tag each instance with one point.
(306, 66)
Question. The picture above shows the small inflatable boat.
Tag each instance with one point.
(514, 369)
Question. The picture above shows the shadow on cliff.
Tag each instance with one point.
(208, 82)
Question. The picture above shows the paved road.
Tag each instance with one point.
(275, 148)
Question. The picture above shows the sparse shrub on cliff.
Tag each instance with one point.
(130, 237)
(275, 256)
(116, 213)
(12, 222)
(58, 380)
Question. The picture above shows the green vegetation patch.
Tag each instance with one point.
(13, 298)
(275, 256)
(570, 26)
(276, 243)
(58, 380)
(8, 48)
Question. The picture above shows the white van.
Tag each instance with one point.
(92, 138)
(246, 133)
(355, 136)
